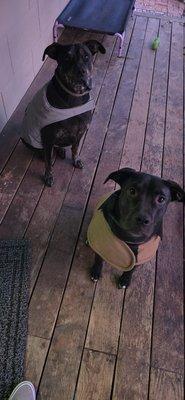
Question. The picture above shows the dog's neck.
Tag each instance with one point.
(59, 97)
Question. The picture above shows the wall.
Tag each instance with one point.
(25, 31)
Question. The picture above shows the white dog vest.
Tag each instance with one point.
(40, 113)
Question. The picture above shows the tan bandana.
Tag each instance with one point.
(112, 249)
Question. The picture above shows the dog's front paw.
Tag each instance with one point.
(61, 152)
(48, 179)
(95, 275)
(123, 282)
(121, 285)
(78, 163)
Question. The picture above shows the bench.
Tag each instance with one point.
(101, 16)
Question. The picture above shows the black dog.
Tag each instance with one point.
(134, 216)
(60, 112)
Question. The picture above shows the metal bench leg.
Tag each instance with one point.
(121, 40)
(55, 33)
(55, 30)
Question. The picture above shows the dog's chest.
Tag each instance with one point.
(113, 250)
(40, 113)
(71, 131)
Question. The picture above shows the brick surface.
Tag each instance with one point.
(170, 7)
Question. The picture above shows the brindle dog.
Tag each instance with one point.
(135, 212)
(69, 88)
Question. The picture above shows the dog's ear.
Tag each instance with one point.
(52, 51)
(94, 46)
(121, 175)
(177, 193)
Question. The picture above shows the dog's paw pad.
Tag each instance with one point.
(78, 164)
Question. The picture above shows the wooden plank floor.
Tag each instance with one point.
(95, 342)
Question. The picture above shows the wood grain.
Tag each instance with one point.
(104, 325)
(155, 130)
(134, 141)
(132, 377)
(168, 341)
(103, 332)
(36, 353)
(166, 385)
(132, 369)
(95, 378)
(12, 176)
(23, 204)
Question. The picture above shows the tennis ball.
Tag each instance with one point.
(155, 43)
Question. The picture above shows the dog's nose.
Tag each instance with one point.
(88, 83)
(143, 219)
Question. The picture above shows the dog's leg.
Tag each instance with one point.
(96, 268)
(125, 279)
(61, 152)
(76, 161)
(48, 143)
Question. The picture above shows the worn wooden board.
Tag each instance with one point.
(23, 204)
(103, 332)
(36, 353)
(168, 341)
(155, 130)
(12, 176)
(132, 378)
(104, 325)
(95, 380)
(64, 357)
(134, 140)
(165, 385)
(132, 369)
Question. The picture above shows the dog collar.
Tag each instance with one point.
(114, 250)
(67, 90)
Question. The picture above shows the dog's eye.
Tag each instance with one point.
(160, 198)
(132, 191)
(86, 57)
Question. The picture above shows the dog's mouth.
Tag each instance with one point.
(135, 229)
(81, 87)
(132, 233)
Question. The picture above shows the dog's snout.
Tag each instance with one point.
(143, 219)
